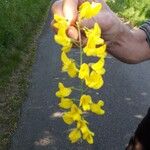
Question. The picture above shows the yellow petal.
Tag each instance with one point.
(90, 51)
(83, 9)
(90, 139)
(98, 66)
(101, 103)
(85, 102)
(97, 30)
(74, 135)
(88, 10)
(94, 81)
(82, 125)
(88, 136)
(96, 108)
(94, 40)
(67, 48)
(101, 51)
(84, 71)
(76, 113)
(69, 65)
(96, 7)
(67, 117)
(65, 59)
(63, 91)
(65, 103)
(72, 70)
(60, 22)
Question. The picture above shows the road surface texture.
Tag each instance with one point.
(126, 94)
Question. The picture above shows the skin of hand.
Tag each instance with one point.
(127, 45)
(69, 9)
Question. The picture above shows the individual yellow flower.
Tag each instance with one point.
(84, 71)
(88, 10)
(85, 102)
(96, 108)
(61, 37)
(66, 103)
(91, 50)
(60, 21)
(63, 91)
(74, 135)
(76, 112)
(94, 42)
(94, 81)
(82, 125)
(98, 67)
(101, 51)
(73, 115)
(95, 32)
(88, 136)
(69, 65)
(67, 117)
(67, 47)
(64, 41)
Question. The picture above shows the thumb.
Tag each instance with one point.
(70, 10)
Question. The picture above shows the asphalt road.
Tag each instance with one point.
(126, 95)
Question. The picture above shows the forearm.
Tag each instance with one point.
(130, 46)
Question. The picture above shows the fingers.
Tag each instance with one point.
(70, 10)
(57, 8)
(72, 32)
(66, 8)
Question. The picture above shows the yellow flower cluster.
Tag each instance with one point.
(75, 114)
(88, 73)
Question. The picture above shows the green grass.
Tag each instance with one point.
(18, 21)
(135, 11)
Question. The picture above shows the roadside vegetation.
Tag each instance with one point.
(20, 22)
(134, 11)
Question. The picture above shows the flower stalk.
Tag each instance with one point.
(89, 74)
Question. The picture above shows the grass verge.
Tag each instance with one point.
(13, 86)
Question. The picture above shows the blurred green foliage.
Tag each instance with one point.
(18, 21)
(135, 11)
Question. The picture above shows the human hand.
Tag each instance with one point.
(110, 24)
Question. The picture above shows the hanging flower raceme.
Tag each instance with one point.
(90, 74)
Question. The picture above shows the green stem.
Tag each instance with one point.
(75, 42)
(85, 89)
(81, 51)
(75, 89)
(75, 99)
(80, 43)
